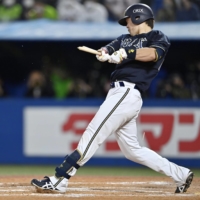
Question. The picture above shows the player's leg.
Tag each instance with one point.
(113, 113)
(114, 119)
(128, 143)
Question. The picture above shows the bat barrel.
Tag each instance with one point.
(89, 50)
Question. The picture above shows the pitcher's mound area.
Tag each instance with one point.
(100, 188)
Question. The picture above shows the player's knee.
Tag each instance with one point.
(68, 164)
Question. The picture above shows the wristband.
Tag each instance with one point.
(131, 53)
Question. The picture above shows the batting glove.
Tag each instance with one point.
(118, 56)
(104, 55)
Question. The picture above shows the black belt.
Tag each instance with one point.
(121, 84)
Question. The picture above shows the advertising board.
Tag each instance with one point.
(55, 131)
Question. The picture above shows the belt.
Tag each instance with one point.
(123, 84)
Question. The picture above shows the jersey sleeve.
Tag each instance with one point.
(114, 45)
(159, 41)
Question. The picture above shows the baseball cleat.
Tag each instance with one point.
(183, 188)
(50, 185)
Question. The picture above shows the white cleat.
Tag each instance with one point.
(183, 188)
(50, 185)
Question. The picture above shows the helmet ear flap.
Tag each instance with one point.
(135, 18)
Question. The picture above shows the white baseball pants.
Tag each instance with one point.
(117, 115)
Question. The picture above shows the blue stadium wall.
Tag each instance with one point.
(12, 130)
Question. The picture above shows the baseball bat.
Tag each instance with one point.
(89, 50)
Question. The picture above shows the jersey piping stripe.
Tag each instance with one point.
(158, 47)
(97, 131)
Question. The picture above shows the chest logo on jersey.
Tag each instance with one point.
(140, 43)
(129, 42)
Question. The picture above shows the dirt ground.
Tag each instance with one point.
(98, 188)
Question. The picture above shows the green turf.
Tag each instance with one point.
(100, 171)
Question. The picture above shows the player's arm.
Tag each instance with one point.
(158, 45)
(146, 55)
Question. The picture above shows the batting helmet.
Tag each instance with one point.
(138, 13)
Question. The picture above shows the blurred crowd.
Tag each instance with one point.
(181, 86)
(61, 83)
(53, 81)
(58, 84)
(53, 75)
(95, 10)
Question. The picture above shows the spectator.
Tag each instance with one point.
(178, 88)
(96, 12)
(100, 83)
(167, 12)
(41, 10)
(10, 11)
(173, 87)
(27, 6)
(116, 8)
(80, 89)
(188, 11)
(193, 79)
(164, 89)
(62, 83)
(37, 86)
(71, 11)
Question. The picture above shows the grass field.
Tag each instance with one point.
(99, 171)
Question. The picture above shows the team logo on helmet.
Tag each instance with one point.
(137, 10)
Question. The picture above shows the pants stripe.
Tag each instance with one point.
(97, 131)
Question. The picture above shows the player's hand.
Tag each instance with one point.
(118, 56)
(104, 55)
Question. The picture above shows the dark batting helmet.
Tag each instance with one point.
(138, 13)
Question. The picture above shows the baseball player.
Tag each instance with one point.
(138, 57)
